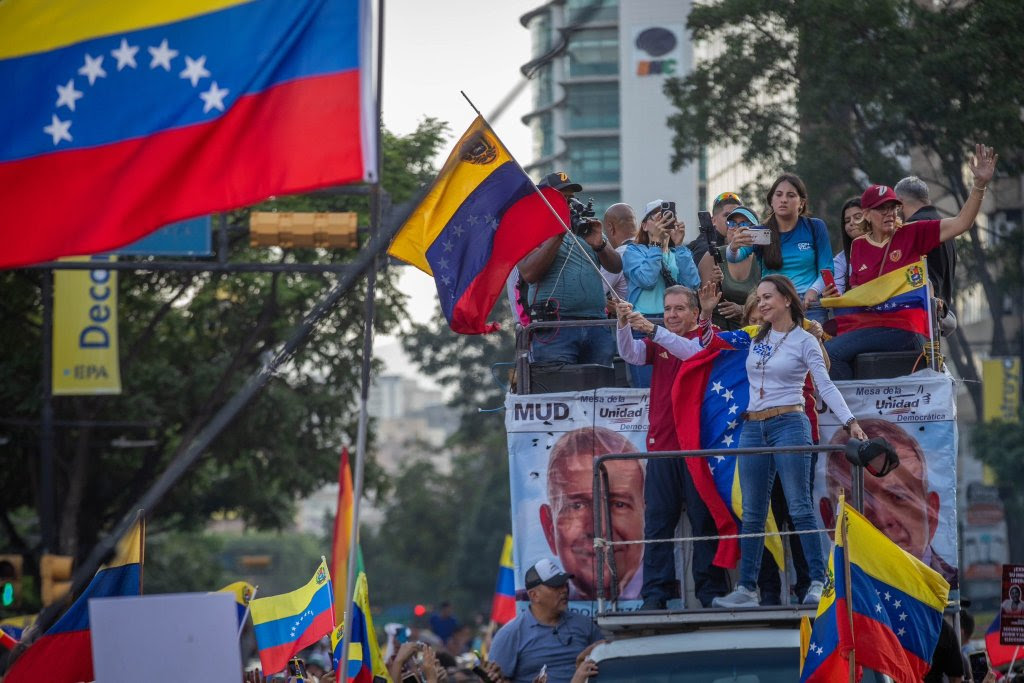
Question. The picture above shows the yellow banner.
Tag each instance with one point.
(1000, 380)
(85, 354)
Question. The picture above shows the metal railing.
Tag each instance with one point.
(604, 545)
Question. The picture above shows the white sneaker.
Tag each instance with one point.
(813, 595)
(740, 597)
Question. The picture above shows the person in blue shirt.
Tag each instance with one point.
(799, 249)
(655, 261)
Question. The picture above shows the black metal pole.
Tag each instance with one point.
(47, 497)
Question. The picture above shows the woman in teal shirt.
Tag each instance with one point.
(799, 249)
(655, 261)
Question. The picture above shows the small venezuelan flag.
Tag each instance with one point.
(242, 591)
(287, 623)
(482, 215)
(64, 653)
(503, 607)
(123, 116)
(897, 299)
(364, 659)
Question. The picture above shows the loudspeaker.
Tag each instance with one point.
(885, 364)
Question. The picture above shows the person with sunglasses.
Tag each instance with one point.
(735, 291)
(888, 244)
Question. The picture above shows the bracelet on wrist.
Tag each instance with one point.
(975, 188)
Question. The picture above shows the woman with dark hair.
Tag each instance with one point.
(781, 354)
(799, 247)
(851, 215)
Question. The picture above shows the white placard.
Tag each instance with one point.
(157, 638)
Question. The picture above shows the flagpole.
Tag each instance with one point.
(1013, 660)
(543, 198)
(377, 213)
(245, 615)
(849, 594)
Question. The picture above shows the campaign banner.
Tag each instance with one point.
(552, 442)
(1000, 381)
(915, 504)
(85, 349)
(1011, 609)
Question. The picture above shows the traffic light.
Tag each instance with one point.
(10, 581)
(54, 577)
(289, 229)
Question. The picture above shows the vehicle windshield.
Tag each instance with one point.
(775, 665)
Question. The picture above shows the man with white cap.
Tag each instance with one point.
(547, 635)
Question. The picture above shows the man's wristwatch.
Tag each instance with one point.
(848, 424)
(604, 243)
(654, 331)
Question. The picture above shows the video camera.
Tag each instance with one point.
(580, 215)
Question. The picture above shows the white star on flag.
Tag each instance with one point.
(878, 607)
(458, 230)
(125, 54)
(897, 604)
(195, 70)
(67, 95)
(820, 649)
(716, 387)
(213, 98)
(732, 410)
(727, 395)
(162, 56)
(58, 130)
(903, 616)
(448, 245)
(732, 424)
(727, 440)
(887, 596)
(93, 68)
(901, 632)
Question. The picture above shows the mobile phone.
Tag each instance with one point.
(410, 677)
(297, 668)
(543, 671)
(979, 665)
(827, 277)
(707, 228)
(669, 208)
(704, 219)
(762, 236)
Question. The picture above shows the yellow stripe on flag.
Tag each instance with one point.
(506, 553)
(881, 289)
(288, 604)
(129, 548)
(33, 26)
(454, 184)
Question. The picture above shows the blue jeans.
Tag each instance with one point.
(757, 475)
(843, 349)
(640, 375)
(575, 345)
(666, 486)
(816, 313)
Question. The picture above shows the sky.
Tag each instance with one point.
(432, 50)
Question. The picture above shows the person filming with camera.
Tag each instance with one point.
(656, 261)
(565, 285)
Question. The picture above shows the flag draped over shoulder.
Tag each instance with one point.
(709, 395)
(896, 601)
(503, 607)
(64, 653)
(364, 660)
(342, 535)
(125, 115)
(287, 623)
(481, 216)
(897, 299)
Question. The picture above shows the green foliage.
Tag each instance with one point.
(189, 341)
(1000, 445)
(183, 563)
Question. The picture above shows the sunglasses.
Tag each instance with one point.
(739, 224)
(727, 197)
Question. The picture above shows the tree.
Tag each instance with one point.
(189, 341)
(838, 90)
(1000, 445)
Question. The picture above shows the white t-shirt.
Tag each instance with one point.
(785, 370)
(617, 280)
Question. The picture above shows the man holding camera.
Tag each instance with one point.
(565, 285)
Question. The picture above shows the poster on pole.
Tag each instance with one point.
(85, 350)
(552, 442)
(915, 504)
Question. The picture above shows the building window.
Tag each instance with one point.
(594, 160)
(593, 105)
(544, 91)
(543, 135)
(594, 53)
(593, 10)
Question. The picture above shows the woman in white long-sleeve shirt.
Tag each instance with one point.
(781, 354)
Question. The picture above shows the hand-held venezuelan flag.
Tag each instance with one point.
(999, 654)
(503, 607)
(364, 660)
(897, 299)
(896, 600)
(481, 216)
(64, 653)
(709, 394)
(289, 622)
(342, 535)
(242, 592)
(126, 115)
(822, 661)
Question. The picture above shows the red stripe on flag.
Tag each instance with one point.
(7, 640)
(877, 647)
(59, 657)
(503, 608)
(275, 659)
(294, 137)
(909, 320)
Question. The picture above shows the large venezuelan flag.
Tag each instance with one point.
(503, 607)
(125, 115)
(287, 623)
(481, 216)
(897, 299)
(897, 602)
(64, 653)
